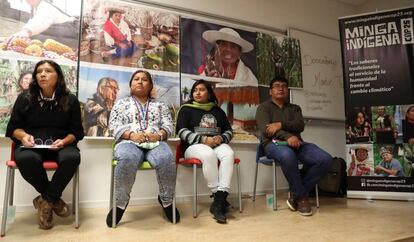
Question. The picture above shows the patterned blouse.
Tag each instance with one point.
(128, 114)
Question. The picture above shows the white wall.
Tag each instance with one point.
(318, 16)
(378, 5)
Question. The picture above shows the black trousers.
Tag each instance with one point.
(30, 164)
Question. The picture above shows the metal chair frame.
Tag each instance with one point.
(196, 163)
(263, 159)
(9, 191)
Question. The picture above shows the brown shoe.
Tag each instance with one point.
(61, 208)
(304, 207)
(44, 211)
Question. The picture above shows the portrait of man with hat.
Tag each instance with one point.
(388, 165)
(361, 164)
(224, 59)
(117, 35)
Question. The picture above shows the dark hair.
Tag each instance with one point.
(103, 82)
(111, 12)
(278, 79)
(61, 92)
(24, 73)
(408, 110)
(149, 77)
(356, 117)
(211, 95)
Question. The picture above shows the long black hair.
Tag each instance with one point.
(211, 95)
(61, 92)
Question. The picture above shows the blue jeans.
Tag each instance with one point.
(314, 158)
(130, 157)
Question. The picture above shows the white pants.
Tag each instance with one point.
(218, 176)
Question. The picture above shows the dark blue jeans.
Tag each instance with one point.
(314, 158)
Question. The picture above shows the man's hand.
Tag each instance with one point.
(272, 128)
(294, 142)
(24, 33)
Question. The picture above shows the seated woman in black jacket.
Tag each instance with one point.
(46, 124)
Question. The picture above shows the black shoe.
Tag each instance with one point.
(119, 214)
(292, 204)
(168, 211)
(217, 208)
(227, 205)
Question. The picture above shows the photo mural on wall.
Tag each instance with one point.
(131, 35)
(15, 77)
(45, 29)
(226, 57)
(101, 87)
(277, 56)
(32, 31)
(119, 37)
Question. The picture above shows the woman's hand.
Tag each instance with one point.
(152, 137)
(58, 144)
(27, 140)
(210, 142)
(138, 137)
(217, 140)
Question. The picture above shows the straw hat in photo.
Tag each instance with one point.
(115, 9)
(361, 147)
(385, 149)
(227, 34)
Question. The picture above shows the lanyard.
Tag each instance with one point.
(142, 113)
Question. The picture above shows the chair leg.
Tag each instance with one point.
(77, 199)
(7, 193)
(274, 187)
(239, 188)
(11, 200)
(111, 188)
(194, 191)
(174, 213)
(255, 182)
(113, 197)
(74, 192)
(317, 195)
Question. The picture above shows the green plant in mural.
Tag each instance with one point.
(278, 56)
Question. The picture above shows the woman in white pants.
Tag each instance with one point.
(205, 132)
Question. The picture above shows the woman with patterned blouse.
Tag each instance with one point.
(140, 125)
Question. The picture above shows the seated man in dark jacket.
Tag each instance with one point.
(279, 121)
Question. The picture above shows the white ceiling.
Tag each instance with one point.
(355, 3)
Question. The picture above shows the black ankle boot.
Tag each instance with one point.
(218, 206)
(119, 214)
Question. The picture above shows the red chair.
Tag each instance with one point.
(179, 159)
(9, 191)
